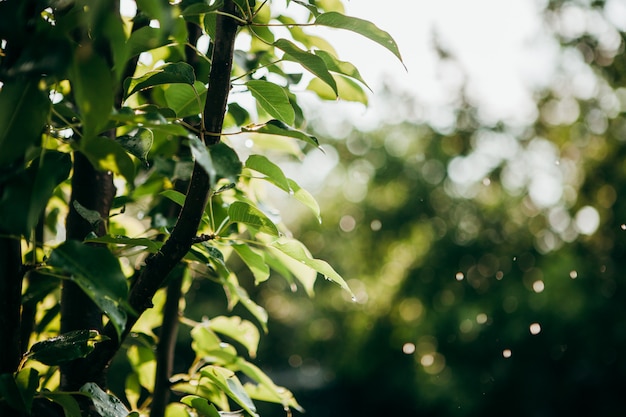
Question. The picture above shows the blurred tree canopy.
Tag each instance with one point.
(487, 260)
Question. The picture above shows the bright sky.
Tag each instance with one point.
(501, 46)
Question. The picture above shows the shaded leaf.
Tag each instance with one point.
(91, 216)
(65, 400)
(27, 381)
(171, 73)
(99, 275)
(10, 393)
(226, 162)
(26, 195)
(240, 212)
(311, 62)
(202, 157)
(276, 127)
(92, 86)
(107, 405)
(360, 26)
(273, 99)
(145, 39)
(138, 144)
(108, 155)
(23, 114)
(65, 347)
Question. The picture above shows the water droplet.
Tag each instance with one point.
(507, 353)
(459, 276)
(573, 274)
(293, 287)
(291, 192)
(353, 298)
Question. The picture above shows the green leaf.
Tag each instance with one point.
(171, 73)
(254, 261)
(239, 330)
(107, 405)
(273, 173)
(341, 67)
(240, 212)
(99, 275)
(138, 144)
(65, 347)
(348, 90)
(299, 252)
(311, 62)
(23, 114)
(306, 198)
(145, 39)
(360, 26)
(92, 86)
(226, 162)
(237, 294)
(10, 393)
(201, 405)
(176, 196)
(273, 99)
(291, 268)
(26, 195)
(151, 245)
(27, 381)
(185, 100)
(91, 216)
(18, 391)
(108, 155)
(276, 127)
(266, 390)
(203, 157)
(65, 400)
(262, 392)
(227, 381)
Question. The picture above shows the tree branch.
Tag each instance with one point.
(166, 347)
(159, 265)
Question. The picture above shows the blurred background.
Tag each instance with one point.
(477, 209)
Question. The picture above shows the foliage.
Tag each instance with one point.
(486, 260)
(153, 136)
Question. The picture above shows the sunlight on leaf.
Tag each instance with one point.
(360, 26)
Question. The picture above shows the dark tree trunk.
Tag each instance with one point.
(93, 190)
